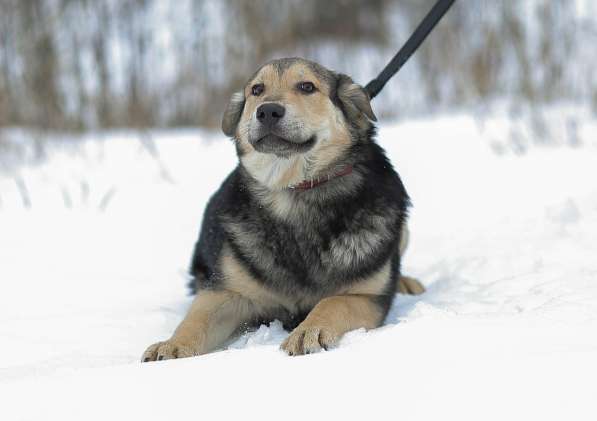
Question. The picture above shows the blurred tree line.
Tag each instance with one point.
(88, 64)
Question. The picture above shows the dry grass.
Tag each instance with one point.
(57, 57)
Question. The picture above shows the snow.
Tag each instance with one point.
(94, 271)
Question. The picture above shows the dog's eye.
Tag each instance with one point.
(306, 87)
(257, 89)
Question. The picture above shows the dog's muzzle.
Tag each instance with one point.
(270, 137)
(272, 143)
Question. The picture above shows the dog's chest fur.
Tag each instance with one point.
(317, 252)
(320, 246)
(306, 244)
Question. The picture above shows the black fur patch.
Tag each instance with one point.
(296, 257)
(337, 234)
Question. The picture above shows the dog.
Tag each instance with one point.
(308, 229)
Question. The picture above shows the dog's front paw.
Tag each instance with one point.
(309, 339)
(168, 350)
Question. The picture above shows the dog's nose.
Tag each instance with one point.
(270, 114)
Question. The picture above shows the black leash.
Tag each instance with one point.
(415, 40)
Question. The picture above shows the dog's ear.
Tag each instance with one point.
(354, 98)
(234, 110)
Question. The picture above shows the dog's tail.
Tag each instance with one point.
(406, 284)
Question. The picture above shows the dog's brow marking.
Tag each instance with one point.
(284, 64)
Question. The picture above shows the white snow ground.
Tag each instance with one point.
(94, 272)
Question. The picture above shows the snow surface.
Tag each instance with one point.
(94, 271)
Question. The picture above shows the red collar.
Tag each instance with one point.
(309, 184)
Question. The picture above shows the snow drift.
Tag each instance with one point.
(94, 270)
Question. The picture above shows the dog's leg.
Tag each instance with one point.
(330, 319)
(408, 285)
(212, 318)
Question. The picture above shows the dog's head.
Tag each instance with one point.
(295, 119)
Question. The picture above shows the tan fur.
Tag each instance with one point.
(327, 151)
(238, 279)
(406, 284)
(373, 285)
(274, 172)
(317, 115)
(411, 286)
(404, 239)
(280, 202)
(212, 318)
(331, 318)
(215, 315)
(352, 309)
(294, 171)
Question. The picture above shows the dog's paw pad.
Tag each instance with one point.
(167, 350)
(308, 340)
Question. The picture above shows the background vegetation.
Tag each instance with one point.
(91, 64)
